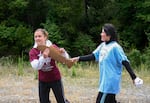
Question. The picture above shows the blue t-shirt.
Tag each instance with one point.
(110, 57)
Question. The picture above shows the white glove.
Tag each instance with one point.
(138, 82)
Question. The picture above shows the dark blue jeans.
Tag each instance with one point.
(57, 88)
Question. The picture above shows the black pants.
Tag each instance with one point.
(57, 88)
(106, 98)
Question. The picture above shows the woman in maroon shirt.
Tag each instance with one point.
(48, 73)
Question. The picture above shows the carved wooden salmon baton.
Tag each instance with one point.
(56, 55)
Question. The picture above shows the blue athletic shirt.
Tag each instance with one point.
(110, 57)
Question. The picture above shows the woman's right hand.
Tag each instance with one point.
(46, 53)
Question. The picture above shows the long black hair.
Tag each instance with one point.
(110, 29)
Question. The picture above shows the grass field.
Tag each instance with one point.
(18, 84)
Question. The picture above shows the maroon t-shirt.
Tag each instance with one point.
(45, 76)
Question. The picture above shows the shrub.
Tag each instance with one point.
(146, 57)
(83, 45)
(14, 40)
(135, 57)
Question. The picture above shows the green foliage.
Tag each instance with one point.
(138, 59)
(17, 4)
(55, 34)
(148, 36)
(143, 16)
(6, 61)
(73, 73)
(143, 11)
(146, 57)
(17, 8)
(35, 75)
(17, 39)
(20, 66)
(83, 44)
(132, 28)
(35, 13)
(135, 57)
(72, 24)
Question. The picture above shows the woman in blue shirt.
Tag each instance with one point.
(110, 57)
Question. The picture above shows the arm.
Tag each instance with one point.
(37, 63)
(87, 57)
(129, 69)
(136, 80)
(84, 58)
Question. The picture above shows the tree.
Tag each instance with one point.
(36, 13)
(14, 40)
(132, 27)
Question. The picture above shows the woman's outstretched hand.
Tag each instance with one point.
(75, 59)
(138, 82)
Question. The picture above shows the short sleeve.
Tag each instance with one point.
(119, 54)
(96, 52)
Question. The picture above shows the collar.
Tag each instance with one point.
(107, 42)
(48, 43)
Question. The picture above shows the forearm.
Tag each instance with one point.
(37, 64)
(129, 69)
(89, 57)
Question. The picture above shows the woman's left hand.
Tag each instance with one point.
(46, 53)
(138, 82)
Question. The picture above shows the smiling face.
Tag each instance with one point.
(104, 36)
(40, 38)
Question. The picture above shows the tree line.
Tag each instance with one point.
(73, 24)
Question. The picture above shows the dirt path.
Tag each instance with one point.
(24, 90)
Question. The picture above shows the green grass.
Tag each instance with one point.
(83, 71)
(88, 70)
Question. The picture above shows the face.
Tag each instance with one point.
(40, 38)
(104, 36)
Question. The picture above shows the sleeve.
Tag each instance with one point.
(97, 51)
(37, 64)
(120, 55)
(87, 57)
(35, 61)
(129, 69)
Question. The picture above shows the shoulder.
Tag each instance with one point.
(34, 51)
(54, 45)
(101, 45)
(98, 48)
(116, 45)
(117, 48)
